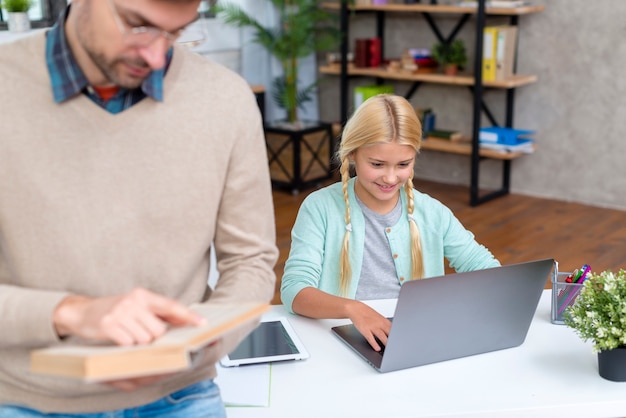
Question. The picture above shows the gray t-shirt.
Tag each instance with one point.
(379, 279)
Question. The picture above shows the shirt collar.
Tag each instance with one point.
(68, 80)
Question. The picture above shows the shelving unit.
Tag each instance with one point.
(472, 81)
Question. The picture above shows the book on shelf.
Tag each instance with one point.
(362, 93)
(525, 145)
(172, 352)
(506, 139)
(367, 52)
(506, 44)
(453, 136)
(499, 46)
(490, 34)
(427, 118)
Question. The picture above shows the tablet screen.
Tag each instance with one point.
(272, 340)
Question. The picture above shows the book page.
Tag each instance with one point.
(245, 385)
(220, 317)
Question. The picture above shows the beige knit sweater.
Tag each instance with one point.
(96, 204)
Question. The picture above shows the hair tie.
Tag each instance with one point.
(349, 227)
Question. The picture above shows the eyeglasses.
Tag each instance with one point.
(141, 36)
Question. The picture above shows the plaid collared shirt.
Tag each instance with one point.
(68, 80)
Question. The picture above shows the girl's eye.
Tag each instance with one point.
(403, 164)
(377, 164)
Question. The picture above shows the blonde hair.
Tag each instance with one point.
(381, 119)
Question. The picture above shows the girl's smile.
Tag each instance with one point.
(381, 170)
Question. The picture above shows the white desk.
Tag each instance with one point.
(552, 374)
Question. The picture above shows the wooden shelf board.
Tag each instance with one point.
(516, 80)
(435, 8)
(465, 148)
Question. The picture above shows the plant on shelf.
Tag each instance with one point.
(304, 28)
(451, 56)
(16, 6)
(17, 11)
(599, 315)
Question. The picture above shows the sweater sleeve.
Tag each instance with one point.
(303, 268)
(26, 316)
(445, 238)
(461, 249)
(245, 239)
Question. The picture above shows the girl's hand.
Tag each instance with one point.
(372, 325)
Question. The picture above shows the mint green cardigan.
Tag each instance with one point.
(318, 232)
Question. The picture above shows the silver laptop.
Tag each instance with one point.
(457, 315)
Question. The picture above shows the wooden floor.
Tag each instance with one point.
(515, 228)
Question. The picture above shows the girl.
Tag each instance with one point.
(363, 237)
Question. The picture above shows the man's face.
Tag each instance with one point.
(105, 46)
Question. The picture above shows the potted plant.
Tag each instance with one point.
(17, 11)
(304, 28)
(599, 315)
(451, 56)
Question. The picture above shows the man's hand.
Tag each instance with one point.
(136, 317)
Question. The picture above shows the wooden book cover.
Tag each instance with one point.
(170, 353)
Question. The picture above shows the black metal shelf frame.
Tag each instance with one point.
(477, 90)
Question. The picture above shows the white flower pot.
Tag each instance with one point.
(19, 22)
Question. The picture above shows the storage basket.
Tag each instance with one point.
(563, 295)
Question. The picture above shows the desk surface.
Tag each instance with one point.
(552, 374)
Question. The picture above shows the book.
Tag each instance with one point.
(506, 44)
(172, 352)
(453, 136)
(427, 118)
(525, 145)
(502, 135)
(506, 139)
(367, 52)
(362, 93)
(374, 52)
(361, 53)
(490, 34)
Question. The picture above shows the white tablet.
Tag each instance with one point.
(273, 340)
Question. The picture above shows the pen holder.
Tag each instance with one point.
(563, 295)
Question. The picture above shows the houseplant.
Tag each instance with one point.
(451, 56)
(304, 28)
(18, 20)
(599, 315)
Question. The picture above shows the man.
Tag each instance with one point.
(123, 157)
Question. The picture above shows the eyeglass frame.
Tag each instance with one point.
(127, 30)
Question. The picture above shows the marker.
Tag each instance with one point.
(583, 276)
(579, 276)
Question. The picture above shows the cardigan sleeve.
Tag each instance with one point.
(445, 238)
(303, 268)
(461, 248)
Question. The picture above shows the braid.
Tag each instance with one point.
(381, 119)
(417, 263)
(345, 272)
